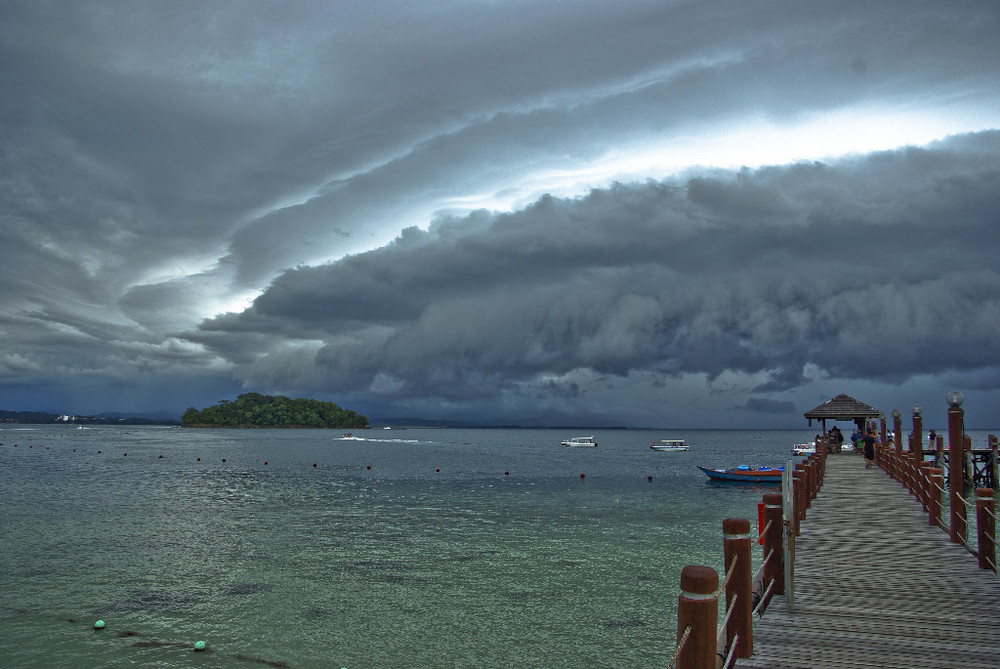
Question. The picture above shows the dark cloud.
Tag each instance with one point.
(376, 176)
(863, 268)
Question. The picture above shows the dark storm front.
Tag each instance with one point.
(388, 548)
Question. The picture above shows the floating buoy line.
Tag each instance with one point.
(199, 646)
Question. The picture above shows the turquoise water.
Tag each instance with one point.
(400, 548)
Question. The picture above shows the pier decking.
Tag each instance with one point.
(876, 586)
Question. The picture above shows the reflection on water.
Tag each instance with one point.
(430, 548)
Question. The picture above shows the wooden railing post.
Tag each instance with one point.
(897, 431)
(956, 473)
(697, 608)
(925, 484)
(798, 495)
(967, 466)
(994, 460)
(986, 522)
(774, 570)
(736, 552)
(812, 470)
(936, 478)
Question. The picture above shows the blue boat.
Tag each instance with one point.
(745, 474)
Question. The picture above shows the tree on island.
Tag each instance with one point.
(256, 410)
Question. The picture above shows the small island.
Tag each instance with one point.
(256, 410)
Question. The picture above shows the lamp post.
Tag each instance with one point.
(897, 429)
(956, 465)
(916, 441)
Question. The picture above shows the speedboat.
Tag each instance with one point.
(804, 449)
(745, 474)
(581, 442)
(670, 445)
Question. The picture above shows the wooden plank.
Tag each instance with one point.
(877, 586)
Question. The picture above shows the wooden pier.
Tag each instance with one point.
(876, 586)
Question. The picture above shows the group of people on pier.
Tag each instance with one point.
(861, 440)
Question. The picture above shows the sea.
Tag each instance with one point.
(387, 548)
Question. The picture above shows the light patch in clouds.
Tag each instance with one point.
(749, 142)
(15, 363)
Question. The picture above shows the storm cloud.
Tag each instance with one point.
(862, 268)
(639, 213)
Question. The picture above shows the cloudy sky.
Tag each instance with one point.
(669, 213)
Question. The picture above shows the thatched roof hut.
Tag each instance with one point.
(844, 407)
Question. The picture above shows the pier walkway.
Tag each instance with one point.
(877, 586)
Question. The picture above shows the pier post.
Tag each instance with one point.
(774, 570)
(956, 467)
(798, 494)
(812, 468)
(698, 607)
(986, 522)
(994, 482)
(925, 484)
(936, 480)
(736, 549)
(967, 466)
(907, 464)
(917, 443)
(897, 430)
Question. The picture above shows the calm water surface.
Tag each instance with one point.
(398, 548)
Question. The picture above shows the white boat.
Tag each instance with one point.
(580, 442)
(803, 449)
(670, 445)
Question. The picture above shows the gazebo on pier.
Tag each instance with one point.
(843, 407)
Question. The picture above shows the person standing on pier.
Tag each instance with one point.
(869, 449)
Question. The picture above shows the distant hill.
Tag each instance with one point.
(256, 410)
(43, 417)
